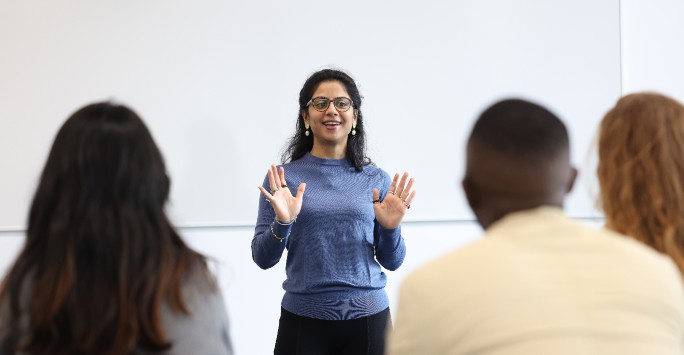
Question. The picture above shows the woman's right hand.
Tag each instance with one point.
(285, 205)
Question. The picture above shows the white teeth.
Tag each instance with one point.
(331, 123)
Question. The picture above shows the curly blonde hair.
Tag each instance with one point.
(641, 171)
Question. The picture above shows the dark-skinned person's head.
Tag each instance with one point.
(518, 158)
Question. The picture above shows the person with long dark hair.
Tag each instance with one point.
(340, 234)
(102, 270)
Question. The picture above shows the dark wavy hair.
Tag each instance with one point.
(300, 144)
(100, 256)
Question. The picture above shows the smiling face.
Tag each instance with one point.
(331, 127)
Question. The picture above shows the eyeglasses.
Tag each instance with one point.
(321, 103)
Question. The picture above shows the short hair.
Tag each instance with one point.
(521, 129)
(641, 171)
(300, 143)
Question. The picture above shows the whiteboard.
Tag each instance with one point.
(198, 73)
(651, 54)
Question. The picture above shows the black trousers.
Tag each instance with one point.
(299, 335)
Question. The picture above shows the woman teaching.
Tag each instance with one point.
(339, 217)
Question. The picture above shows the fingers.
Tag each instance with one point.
(410, 198)
(271, 179)
(283, 182)
(407, 190)
(266, 194)
(276, 177)
(376, 195)
(400, 188)
(395, 181)
(404, 188)
(300, 191)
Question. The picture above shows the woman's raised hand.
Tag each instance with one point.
(392, 209)
(285, 205)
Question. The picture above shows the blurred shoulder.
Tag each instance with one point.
(458, 265)
(204, 329)
(630, 248)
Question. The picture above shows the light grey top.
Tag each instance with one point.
(204, 331)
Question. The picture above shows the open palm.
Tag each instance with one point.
(285, 206)
(390, 212)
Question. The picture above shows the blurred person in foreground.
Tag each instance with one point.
(641, 171)
(102, 270)
(537, 282)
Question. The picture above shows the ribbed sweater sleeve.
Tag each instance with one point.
(390, 249)
(266, 248)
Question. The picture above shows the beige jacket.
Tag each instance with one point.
(540, 283)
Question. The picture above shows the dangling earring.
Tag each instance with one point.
(356, 115)
(306, 132)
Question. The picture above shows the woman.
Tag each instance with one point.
(102, 270)
(337, 236)
(641, 171)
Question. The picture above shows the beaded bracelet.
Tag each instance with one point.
(285, 224)
(276, 236)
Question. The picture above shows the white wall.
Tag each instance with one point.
(652, 50)
(196, 72)
(217, 82)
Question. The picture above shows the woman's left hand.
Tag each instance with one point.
(392, 209)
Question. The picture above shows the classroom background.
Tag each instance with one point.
(217, 82)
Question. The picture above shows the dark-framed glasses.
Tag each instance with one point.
(321, 103)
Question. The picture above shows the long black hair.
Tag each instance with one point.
(300, 144)
(100, 255)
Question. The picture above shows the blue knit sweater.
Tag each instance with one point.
(336, 247)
